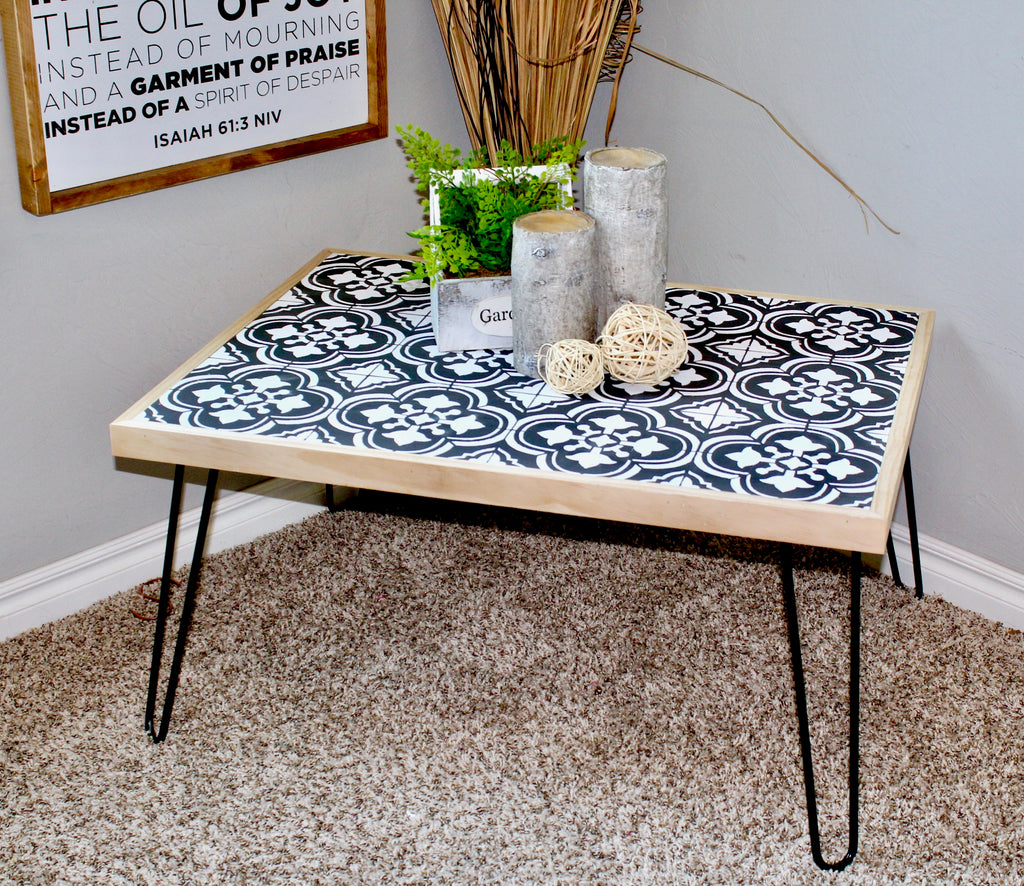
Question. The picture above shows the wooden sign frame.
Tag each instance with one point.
(117, 97)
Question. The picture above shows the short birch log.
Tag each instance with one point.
(626, 193)
(554, 279)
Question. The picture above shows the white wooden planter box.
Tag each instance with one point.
(476, 312)
(472, 312)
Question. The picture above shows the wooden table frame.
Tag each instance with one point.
(859, 530)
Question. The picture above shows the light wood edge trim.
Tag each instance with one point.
(859, 529)
(781, 296)
(890, 475)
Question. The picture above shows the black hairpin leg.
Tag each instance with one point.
(894, 566)
(187, 606)
(789, 594)
(332, 505)
(915, 546)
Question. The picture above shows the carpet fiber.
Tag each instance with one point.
(413, 692)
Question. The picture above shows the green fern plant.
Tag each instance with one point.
(476, 202)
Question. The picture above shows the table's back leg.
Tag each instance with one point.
(915, 547)
(789, 594)
(187, 606)
(894, 567)
(332, 504)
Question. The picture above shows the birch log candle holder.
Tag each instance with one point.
(625, 191)
(554, 278)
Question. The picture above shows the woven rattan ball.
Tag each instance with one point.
(642, 344)
(572, 366)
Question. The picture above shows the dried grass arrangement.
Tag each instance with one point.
(526, 70)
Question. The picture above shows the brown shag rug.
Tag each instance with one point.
(411, 692)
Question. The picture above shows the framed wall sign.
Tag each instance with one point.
(115, 97)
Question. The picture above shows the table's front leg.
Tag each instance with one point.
(789, 594)
(187, 606)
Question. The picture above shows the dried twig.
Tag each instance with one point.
(861, 202)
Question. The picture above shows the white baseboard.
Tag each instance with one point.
(966, 580)
(69, 585)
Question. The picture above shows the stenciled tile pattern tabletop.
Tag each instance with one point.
(778, 397)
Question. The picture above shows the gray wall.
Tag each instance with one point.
(918, 105)
(100, 303)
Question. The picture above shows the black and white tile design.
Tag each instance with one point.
(777, 398)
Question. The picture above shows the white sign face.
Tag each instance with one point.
(130, 86)
(493, 316)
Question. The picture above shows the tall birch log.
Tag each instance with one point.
(554, 280)
(625, 191)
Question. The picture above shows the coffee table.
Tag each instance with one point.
(790, 421)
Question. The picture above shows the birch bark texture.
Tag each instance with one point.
(625, 191)
(554, 281)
